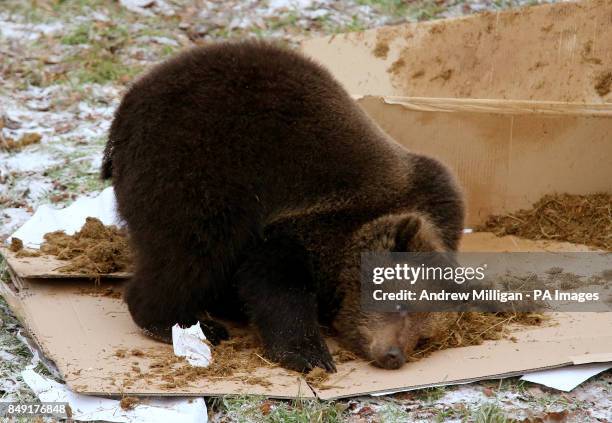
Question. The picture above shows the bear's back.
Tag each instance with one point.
(248, 113)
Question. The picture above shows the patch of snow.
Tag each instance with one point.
(33, 189)
(463, 394)
(16, 31)
(7, 356)
(29, 161)
(159, 40)
(291, 4)
(13, 218)
(96, 163)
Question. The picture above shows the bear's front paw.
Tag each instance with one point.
(214, 331)
(305, 356)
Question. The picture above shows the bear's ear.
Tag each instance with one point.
(407, 229)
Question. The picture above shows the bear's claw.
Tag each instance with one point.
(306, 356)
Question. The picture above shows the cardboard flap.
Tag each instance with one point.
(505, 161)
(556, 52)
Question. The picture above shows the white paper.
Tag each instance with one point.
(566, 378)
(189, 343)
(69, 219)
(87, 408)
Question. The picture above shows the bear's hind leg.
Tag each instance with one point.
(157, 303)
(275, 285)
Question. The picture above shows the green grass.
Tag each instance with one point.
(246, 409)
(425, 10)
(75, 175)
(11, 369)
(392, 413)
(389, 7)
(101, 68)
(100, 62)
(79, 35)
(489, 413)
(430, 394)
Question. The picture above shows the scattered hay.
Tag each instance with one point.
(603, 83)
(9, 144)
(317, 376)
(26, 252)
(101, 292)
(238, 358)
(16, 245)
(580, 219)
(94, 250)
(344, 356)
(18, 248)
(128, 403)
(238, 354)
(235, 359)
(473, 328)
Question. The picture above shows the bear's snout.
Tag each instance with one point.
(391, 359)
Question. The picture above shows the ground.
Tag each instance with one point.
(64, 65)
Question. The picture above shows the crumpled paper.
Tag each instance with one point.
(91, 408)
(189, 343)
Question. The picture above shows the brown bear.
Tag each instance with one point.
(250, 182)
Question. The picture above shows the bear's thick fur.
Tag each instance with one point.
(250, 182)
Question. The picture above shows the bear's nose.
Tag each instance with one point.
(393, 359)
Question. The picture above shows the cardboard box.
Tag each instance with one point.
(507, 100)
(509, 143)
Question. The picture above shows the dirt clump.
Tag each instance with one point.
(94, 250)
(445, 75)
(397, 66)
(128, 403)
(381, 49)
(587, 54)
(603, 83)
(580, 219)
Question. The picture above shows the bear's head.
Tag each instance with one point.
(387, 339)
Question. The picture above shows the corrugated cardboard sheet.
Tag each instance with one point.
(81, 329)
